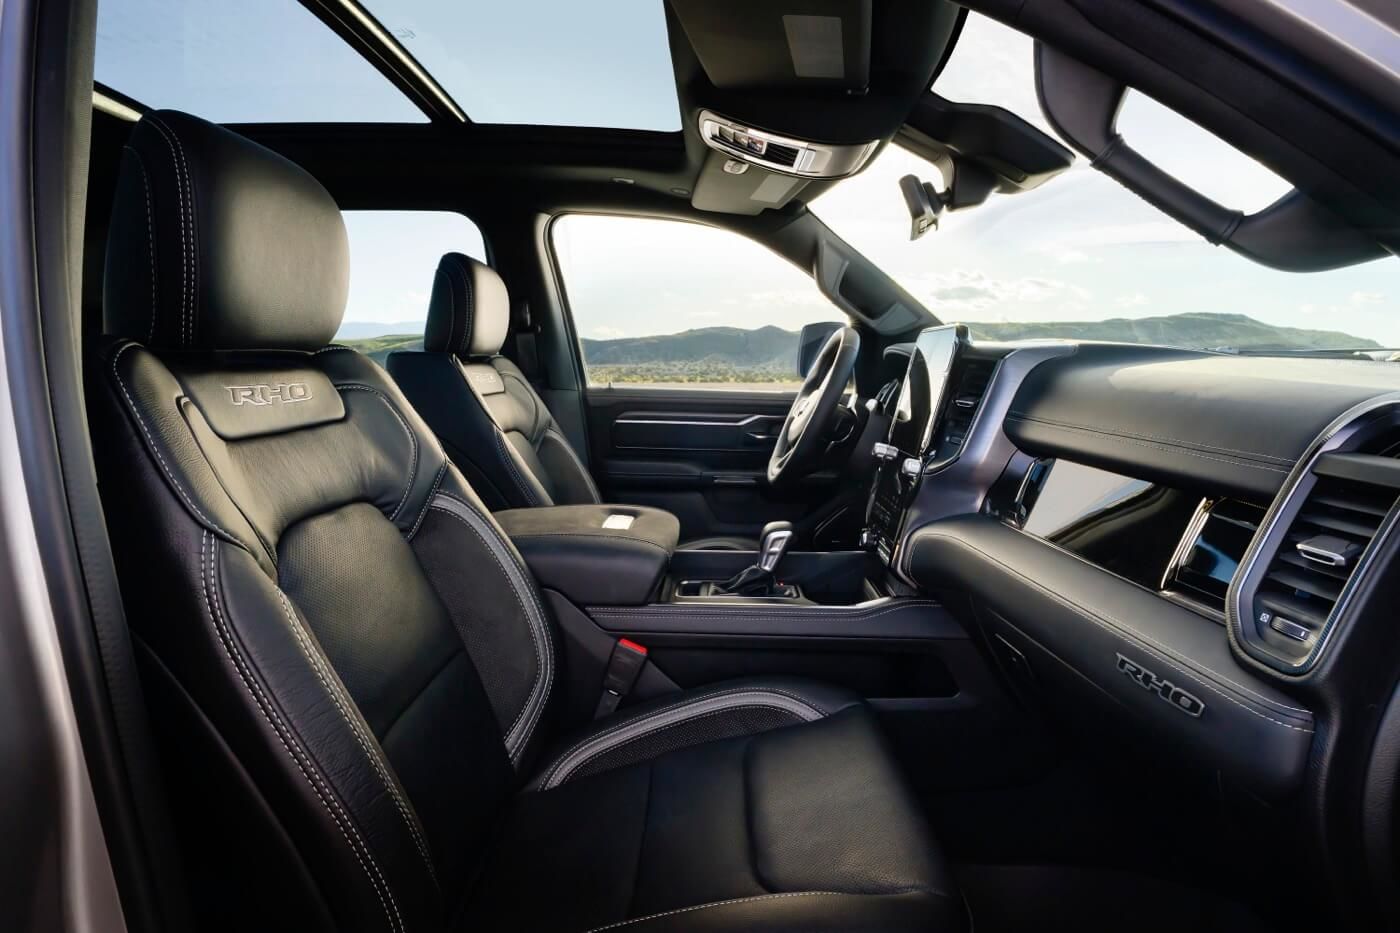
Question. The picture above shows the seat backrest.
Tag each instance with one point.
(492, 423)
(347, 658)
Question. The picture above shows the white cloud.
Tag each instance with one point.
(1135, 300)
(1367, 298)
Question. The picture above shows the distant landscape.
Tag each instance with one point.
(768, 355)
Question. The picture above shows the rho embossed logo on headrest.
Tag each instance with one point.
(280, 393)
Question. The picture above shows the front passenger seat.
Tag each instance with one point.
(490, 420)
(354, 677)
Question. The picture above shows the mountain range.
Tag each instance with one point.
(770, 353)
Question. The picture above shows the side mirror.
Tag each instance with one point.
(810, 342)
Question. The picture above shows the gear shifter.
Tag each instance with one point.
(759, 580)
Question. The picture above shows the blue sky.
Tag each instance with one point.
(1079, 248)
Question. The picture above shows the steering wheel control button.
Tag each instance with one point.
(1289, 628)
(885, 451)
(912, 467)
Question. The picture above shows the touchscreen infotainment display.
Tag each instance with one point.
(921, 397)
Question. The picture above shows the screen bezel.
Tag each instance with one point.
(931, 360)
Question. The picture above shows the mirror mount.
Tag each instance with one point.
(970, 185)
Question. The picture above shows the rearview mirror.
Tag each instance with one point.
(810, 342)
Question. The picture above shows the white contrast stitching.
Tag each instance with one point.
(588, 534)
(150, 442)
(150, 238)
(515, 473)
(1148, 638)
(370, 747)
(1123, 432)
(569, 449)
(209, 582)
(551, 773)
(464, 346)
(736, 900)
(1190, 452)
(535, 625)
(1121, 628)
(412, 438)
(432, 492)
(186, 235)
(562, 776)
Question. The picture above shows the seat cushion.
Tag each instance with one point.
(804, 824)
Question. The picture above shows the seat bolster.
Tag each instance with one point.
(804, 912)
(725, 710)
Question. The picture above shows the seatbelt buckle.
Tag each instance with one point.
(624, 667)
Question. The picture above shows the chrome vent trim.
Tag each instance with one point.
(1311, 498)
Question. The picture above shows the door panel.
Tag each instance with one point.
(698, 453)
(674, 431)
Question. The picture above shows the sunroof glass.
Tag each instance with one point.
(249, 61)
(559, 62)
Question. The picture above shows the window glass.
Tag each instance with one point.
(249, 61)
(393, 258)
(660, 302)
(559, 62)
(1083, 257)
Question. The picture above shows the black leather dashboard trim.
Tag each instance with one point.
(1086, 620)
(1219, 423)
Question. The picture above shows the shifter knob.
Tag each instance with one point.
(773, 543)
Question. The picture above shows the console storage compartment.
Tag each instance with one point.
(596, 555)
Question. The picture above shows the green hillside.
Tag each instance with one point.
(707, 354)
(1233, 331)
(769, 354)
(379, 348)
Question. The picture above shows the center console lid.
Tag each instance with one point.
(598, 555)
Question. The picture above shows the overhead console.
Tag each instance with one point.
(787, 96)
(745, 146)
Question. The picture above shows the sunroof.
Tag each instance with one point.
(249, 61)
(559, 62)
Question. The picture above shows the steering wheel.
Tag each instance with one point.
(801, 440)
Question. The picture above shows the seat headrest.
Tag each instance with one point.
(217, 243)
(469, 312)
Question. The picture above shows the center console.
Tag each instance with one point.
(933, 412)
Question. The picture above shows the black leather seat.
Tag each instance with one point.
(491, 421)
(350, 667)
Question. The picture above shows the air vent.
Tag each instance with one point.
(1323, 548)
(781, 155)
(1318, 556)
(1301, 583)
(971, 385)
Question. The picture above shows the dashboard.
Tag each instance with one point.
(1191, 552)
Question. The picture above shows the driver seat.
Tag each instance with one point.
(491, 421)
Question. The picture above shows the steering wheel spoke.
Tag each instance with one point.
(802, 438)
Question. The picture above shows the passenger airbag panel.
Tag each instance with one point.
(1168, 669)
